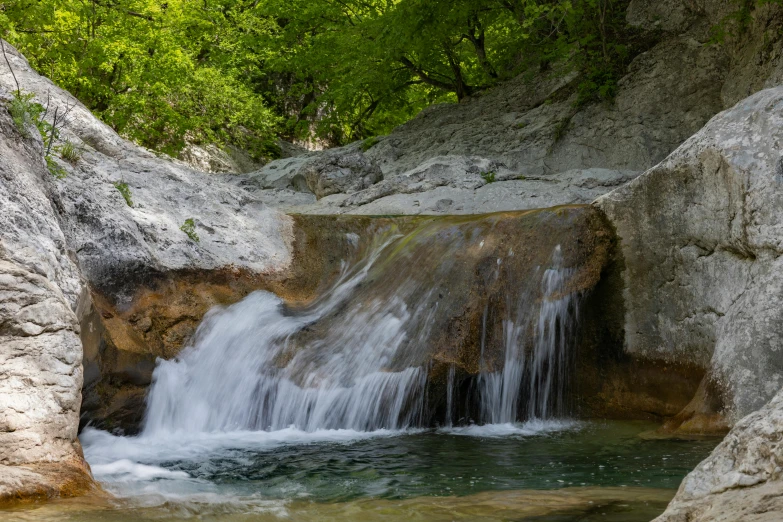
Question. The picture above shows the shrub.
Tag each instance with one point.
(24, 112)
(370, 143)
(54, 169)
(189, 228)
(124, 190)
(489, 177)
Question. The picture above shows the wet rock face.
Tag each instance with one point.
(701, 239)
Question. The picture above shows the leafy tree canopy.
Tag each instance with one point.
(163, 72)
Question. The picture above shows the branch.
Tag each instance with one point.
(18, 89)
(425, 77)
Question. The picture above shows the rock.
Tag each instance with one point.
(115, 243)
(530, 126)
(279, 174)
(44, 481)
(291, 150)
(341, 170)
(702, 239)
(743, 477)
(211, 158)
(40, 352)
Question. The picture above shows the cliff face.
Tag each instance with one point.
(523, 144)
(701, 238)
(40, 351)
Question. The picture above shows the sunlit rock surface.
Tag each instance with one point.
(40, 351)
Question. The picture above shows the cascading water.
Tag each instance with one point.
(463, 324)
(231, 377)
(545, 364)
(352, 361)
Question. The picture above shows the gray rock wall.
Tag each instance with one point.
(40, 351)
(702, 237)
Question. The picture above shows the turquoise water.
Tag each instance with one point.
(557, 470)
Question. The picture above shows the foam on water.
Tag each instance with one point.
(530, 428)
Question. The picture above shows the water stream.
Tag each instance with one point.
(420, 384)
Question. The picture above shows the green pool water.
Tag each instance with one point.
(542, 472)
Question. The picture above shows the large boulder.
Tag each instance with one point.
(702, 238)
(742, 479)
(341, 170)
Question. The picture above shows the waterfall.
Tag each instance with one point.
(355, 359)
(556, 318)
(543, 367)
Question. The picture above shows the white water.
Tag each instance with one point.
(244, 371)
(229, 379)
(258, 375)
(544, 367)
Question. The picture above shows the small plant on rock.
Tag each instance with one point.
(489, 176)
(124, 190)
(189, 228)
(69, 152)
(25, 112)
(54, 169)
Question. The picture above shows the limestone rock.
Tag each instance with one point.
(340, 171)
(743, 477)
(40, 352)
(457, 185)
(211, 158)
(702, 237)
(279, 174)
(116, 243)
(43, 481)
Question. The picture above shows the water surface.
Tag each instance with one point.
(558, 471)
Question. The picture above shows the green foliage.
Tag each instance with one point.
(248, 71)
(737, 22)
(125, 192)
(157, 72)
(369, 143)
(25, 112)
(54, 168)
(489, 177)
(189, 228)
(68, 152)
(605, 44)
